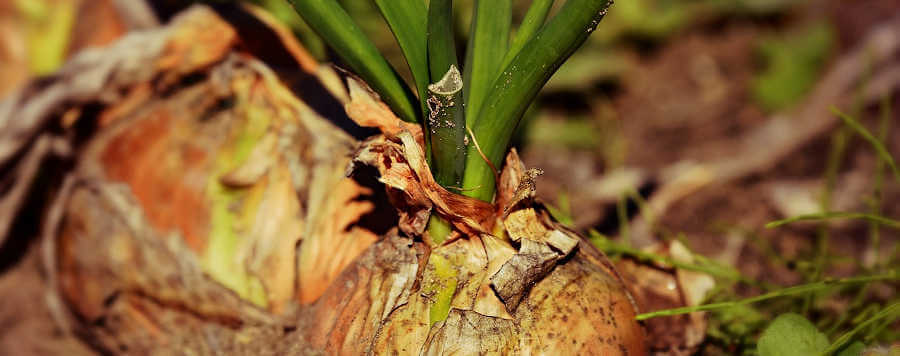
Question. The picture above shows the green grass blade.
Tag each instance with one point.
(531, 23)
(519, 83)
(891, 312)
(836, 215)
(407, 21)
(488, 42)
(876, 144)
(711, 268)
(878, 186)
(790, 291)
(332, 23)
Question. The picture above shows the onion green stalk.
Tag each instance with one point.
(333, 24)
(446, 123)
(533, 21)
(488, 42)
(519, 83)
(406, 19)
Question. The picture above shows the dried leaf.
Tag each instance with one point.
(403, 168)
(695, 285)
(562, 241)
(521, 271)
(529, 225)
(524, 223)
(487, 302)
(659, 286)
(405, 193)
(525, 190)
(513, 170)
(469, 215)
(367, 110)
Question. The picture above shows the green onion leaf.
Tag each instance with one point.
(488, 42)
(441, 47)
(407, 21)
(533, 21)
(332, 23)
(444, 131)
(446, 127)
(519, 83)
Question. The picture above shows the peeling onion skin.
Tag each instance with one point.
(578, 308)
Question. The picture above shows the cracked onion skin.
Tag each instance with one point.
(579, 308)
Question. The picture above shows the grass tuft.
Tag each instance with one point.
(836, 215)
